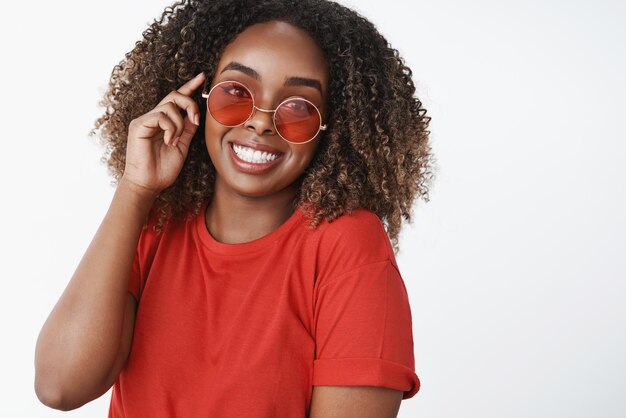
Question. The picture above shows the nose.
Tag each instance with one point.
(261, 121)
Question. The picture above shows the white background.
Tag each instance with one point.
(516, 268)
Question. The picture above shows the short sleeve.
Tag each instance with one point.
(363, 330)
(144, 255)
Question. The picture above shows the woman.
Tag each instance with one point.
(246, 265)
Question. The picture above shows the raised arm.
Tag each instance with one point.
(87, 337)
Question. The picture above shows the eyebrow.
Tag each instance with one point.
(289, 81)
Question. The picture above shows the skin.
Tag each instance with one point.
(248, 206)
(354, 402)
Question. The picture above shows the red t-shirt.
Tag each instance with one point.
(247, 330)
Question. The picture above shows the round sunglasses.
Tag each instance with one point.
(296, 119)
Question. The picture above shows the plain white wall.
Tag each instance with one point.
(516, 267)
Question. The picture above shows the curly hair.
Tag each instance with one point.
(375, 153)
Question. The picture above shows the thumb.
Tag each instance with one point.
(187, 135)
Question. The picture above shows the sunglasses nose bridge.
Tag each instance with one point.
(265, 110)
(255, 108)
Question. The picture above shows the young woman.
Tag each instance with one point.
(265, 154)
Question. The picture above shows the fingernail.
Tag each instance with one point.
(198, 76)
(196, 119)
(175, 141)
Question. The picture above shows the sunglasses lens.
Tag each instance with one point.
(230, 103)
(297, 120)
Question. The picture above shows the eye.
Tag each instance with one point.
(297, 106)
(236, 90)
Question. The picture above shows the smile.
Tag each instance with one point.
(253, 156)
(252, 161)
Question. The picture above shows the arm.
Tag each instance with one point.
(86, 338)
(364, 361)
(354, 402)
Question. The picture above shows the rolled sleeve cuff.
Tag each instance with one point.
(365, 372)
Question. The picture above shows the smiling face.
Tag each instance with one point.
(275, 61)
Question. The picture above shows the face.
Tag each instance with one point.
(267, 58)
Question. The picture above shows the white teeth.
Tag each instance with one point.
(253, 156)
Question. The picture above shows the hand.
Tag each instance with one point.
(158, 141)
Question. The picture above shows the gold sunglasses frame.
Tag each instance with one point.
(322, 127)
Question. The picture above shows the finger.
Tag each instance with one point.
(186, 103)
(187, 89)
(173, 112)
(188, 133)
(191, 85)
(152, 123)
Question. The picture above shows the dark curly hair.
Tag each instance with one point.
(375, 153)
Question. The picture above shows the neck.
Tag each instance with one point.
(232, 218)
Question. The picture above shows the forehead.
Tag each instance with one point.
(276, 50)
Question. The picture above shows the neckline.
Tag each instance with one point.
(243, 247)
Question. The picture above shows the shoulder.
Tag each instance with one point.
(360, 222)
(362, 229)
(352, 241)
(151, 236)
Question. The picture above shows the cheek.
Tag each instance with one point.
(312, 147)
(305, 153)
(214, 132)
(213, 135)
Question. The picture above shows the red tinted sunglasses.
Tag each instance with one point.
(296, 119)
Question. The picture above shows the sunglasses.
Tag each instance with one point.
(296, 119)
